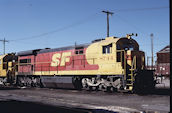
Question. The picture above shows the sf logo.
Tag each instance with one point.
(59, 59)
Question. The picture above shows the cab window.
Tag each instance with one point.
(128, 47)
(107, 49)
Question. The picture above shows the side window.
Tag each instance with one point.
(79, 52)
(118, 55)
(28, 60)
(25, 61)
(76, 52)
(107, 49)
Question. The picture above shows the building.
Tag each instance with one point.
(163, 62)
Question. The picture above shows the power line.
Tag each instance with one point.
(86, 20)
(142, 9)
(132, 25)
(129, 23)
(57, 30)
(137, 9)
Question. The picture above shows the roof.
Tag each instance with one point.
(46, 50)
(165, 49)
(63, 48)
(101, 42)
(28, 52)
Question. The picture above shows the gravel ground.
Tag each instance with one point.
(158, 102)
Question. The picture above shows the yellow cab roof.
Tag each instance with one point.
(2, 56)
(109, 40)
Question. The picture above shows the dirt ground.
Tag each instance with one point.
(157, 102)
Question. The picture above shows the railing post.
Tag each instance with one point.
(125, 70)
(49, 69)
(41, 69)
(57, 69)
(73, 61)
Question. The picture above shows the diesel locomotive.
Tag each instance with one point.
(105, 64)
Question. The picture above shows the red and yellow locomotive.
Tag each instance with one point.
(105, 64)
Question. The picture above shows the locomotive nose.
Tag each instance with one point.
(135, 58)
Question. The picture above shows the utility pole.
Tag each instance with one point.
(148, 63)
(151, 35)
(4, 41)
(107, 12)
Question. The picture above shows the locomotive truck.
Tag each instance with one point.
(105, 64)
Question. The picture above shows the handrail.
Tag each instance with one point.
(133, 66)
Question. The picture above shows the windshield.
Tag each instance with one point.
(126, 44)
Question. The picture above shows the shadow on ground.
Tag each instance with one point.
(157, 91)
(161, 91)
(13, 106)
(8, 88)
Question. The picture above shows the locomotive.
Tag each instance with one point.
(105, 64)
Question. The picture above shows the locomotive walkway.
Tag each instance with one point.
(117, 102)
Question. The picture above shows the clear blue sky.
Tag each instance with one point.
(81, 21)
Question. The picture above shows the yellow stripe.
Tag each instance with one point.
(77, 72)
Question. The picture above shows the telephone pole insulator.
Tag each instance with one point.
(111, 13)
(4, 41)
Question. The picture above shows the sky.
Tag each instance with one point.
(38, 24)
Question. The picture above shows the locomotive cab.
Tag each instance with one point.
(130, 61)
(129, 49)
(7, 68)
(119, 62)
(131, 58)
(136, 77)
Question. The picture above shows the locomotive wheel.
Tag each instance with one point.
(90, 88)
(97, 88)
(93, 88)
(110, 89)
(19, 81)
(104, 88)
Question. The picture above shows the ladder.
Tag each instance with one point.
(131, 75)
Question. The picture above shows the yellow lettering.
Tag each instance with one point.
(65, 58)
(56, 59)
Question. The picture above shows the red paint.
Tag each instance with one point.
(26, 67)
(128, 57)
(42, 62)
